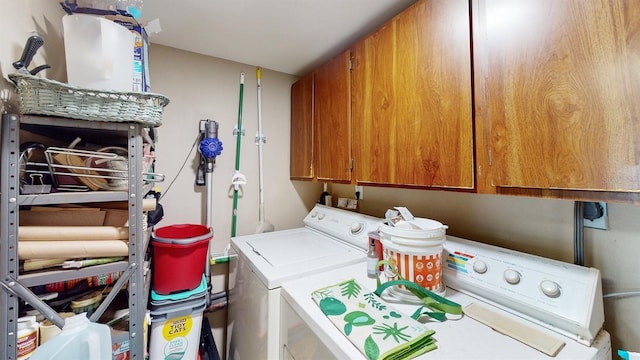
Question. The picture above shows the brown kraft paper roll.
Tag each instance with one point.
(74, 233)
(71, 249)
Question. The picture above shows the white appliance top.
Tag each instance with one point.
(563, 297)
(464, 338)
(331, 238)
(349, 227)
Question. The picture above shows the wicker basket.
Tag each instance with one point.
(40, 96)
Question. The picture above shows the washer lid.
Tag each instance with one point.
(463, 338)
(279, 256)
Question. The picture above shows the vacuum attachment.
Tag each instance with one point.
(34, 42)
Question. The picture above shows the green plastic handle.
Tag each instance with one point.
(439, 304)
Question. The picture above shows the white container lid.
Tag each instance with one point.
(423, 229)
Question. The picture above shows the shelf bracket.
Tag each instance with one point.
(15, 287)
(112, 294)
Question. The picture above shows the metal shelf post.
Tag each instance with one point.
(9, 193)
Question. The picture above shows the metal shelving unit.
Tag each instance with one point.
(15, 286)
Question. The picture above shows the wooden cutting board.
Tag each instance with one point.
(93, 183)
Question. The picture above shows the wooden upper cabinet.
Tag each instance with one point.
(301, 161)
(561, 93)
(332, 120)
(411, 99)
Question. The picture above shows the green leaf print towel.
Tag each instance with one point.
(371, 324)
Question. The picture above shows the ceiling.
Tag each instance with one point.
(290, 36)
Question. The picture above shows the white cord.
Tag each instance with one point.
(181, 167)
(622, 294)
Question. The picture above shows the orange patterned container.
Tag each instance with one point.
(416, 253)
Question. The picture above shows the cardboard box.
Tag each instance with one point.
(120, 344)
(62, 217)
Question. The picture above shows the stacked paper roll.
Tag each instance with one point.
(71, 249)
(50, 242)
(72, 233)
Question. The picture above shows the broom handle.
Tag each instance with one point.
(238, 134)
(260, 140)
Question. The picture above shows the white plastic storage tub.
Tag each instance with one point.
(176, 324)
(416, 252)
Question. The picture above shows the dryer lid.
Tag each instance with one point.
(289, 254)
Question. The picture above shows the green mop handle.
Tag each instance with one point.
(238, 132)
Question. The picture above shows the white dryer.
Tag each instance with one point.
(332, 238)
(551, 303)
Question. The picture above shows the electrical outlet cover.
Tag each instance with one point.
(601, 222)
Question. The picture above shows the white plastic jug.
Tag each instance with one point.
(79, 339)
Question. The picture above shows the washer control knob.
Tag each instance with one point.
(511, 276)
(320, 216)
(480, 267)
(550, 288)
(314, 214)
(356, 228)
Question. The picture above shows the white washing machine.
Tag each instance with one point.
(332, 238)
(526, 299)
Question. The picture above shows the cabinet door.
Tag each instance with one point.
(561, 93)
(301, 162)
(411, 83)
(332, 120)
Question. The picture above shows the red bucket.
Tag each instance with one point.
(179, 257)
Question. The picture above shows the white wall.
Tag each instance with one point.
(19, 19)
(202, 87)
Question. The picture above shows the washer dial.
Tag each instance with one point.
(550, 288)
(511, 276)
(480, 267)
(356, 228)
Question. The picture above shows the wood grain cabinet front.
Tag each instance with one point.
(301, 160)
(559, 86)
(332, 120)
(528, 97)
(412, 99)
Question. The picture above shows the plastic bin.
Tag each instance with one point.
(175, 328)
(179, 257)
(160, 299)
(99, 53)
(417, 254)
